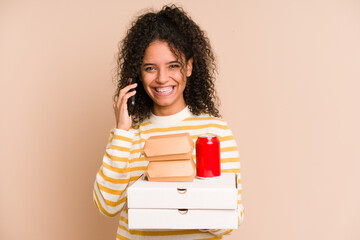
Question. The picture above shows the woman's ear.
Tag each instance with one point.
(189, 67)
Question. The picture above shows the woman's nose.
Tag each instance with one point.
(162, 76)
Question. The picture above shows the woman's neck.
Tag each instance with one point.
(168, 110)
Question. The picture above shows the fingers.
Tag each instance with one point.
(122, 101)
(124, 91)
(127, 89)
(128, 95)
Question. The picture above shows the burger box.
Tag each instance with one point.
(170, 158)
(201, 204)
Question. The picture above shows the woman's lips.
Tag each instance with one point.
(164, 91)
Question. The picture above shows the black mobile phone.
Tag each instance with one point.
(131, 100)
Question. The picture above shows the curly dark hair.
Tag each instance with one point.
(172, 25)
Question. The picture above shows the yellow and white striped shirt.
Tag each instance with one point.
(121, 167)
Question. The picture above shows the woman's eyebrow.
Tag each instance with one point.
(174, 62)
(147, 64)
(171, 62)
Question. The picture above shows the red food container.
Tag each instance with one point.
(208, 156)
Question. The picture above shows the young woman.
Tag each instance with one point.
(172, 59)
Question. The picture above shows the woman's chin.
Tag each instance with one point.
(162, 104)
(163, 101)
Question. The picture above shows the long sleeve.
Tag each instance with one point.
(123, 164)
(113, 176)
(230, 163)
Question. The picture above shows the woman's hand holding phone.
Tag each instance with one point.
(123, 119)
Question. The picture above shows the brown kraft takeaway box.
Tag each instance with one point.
(170, 158)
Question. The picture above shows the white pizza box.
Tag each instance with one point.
(211, 193)
(201, 204)
(182, 219)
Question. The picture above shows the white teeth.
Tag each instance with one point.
(164, 90)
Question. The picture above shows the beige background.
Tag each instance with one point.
(288, 80)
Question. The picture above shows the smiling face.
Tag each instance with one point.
(164, 78)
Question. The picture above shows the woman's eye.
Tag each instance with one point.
(174, 66)
(149, 68)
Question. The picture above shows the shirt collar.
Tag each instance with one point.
(171, 119)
